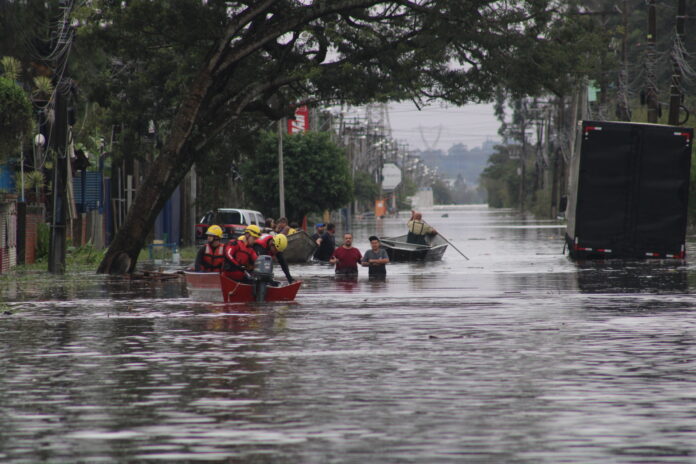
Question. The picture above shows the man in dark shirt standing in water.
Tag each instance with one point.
(376, 259)
(327, 244)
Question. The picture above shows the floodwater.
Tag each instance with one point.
(516, 356)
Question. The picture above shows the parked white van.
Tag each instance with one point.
(233, 221)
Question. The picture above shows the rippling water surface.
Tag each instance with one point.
(518, 356)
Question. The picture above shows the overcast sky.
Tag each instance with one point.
(440, 127)
(437, 126)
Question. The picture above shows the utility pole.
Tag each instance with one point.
(281, 174)
(56, 255)
(523, 152)
(651, 96)
(675, 93)
(59, 143)
(623, 108)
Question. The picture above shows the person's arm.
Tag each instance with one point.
(229, 256)
(198, 265)
(334, 259)
(383, 257)
(365, 260)
(428, 229)
(284, 266)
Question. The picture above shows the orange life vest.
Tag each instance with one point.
(213, 259)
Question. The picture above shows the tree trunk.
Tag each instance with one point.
(165, 174)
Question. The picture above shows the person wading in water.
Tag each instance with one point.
(375, 259)
(346, 257)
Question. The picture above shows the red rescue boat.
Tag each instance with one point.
(212, 285)
(237, 292)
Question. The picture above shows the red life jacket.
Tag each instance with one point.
(264, 245)
(213, 259)
(238, 254)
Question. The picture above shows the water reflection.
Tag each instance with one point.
(615, 276)
(243, 317)
(519, 355)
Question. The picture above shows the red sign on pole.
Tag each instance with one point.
(301, 121)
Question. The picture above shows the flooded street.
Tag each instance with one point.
(516, 356)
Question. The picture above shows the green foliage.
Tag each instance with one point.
(316, 175)
(11, 67)
(85, 255)
(43, 87)
(365, 189)
(32, 180)
(501, 180)
(188, 253)
(15, 116)
(43, 238)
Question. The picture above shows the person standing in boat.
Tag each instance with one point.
(282, 226)
(273, 245)
(346, 257)
(376, 259)
(240, 255)
(211, 256)
(327, 244)
(418, 229)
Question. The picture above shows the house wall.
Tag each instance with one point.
(8, 233)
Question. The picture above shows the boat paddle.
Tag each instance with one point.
(450, 243)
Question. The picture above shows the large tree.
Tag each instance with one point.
(316, 175)
(211, 67)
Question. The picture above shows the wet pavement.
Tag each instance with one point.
(517, 356)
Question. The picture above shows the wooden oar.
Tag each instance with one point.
(452, 245)
(449, 243)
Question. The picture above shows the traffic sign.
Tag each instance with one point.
(391, 176)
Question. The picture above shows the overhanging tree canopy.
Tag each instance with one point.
(210, 66)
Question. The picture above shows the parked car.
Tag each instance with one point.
(233, 221)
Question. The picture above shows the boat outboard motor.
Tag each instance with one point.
(263, 275)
